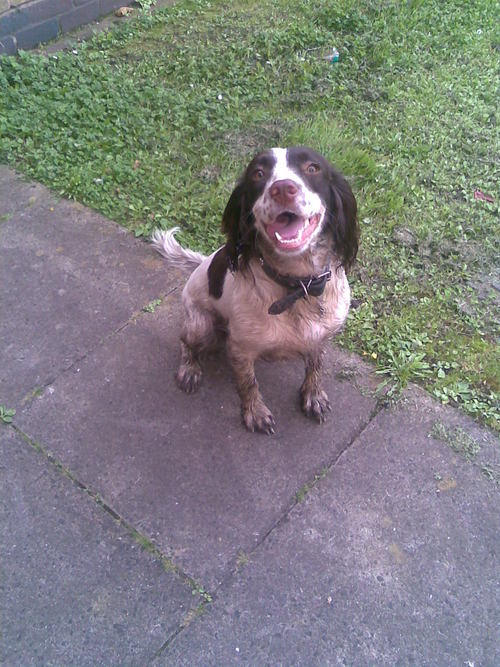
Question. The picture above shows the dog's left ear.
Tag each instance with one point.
(342, 220)
(236, 225)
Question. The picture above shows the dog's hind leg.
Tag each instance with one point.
(199, 334)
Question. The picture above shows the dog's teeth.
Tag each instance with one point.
(297, 237)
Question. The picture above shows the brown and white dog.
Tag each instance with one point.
(278, 287)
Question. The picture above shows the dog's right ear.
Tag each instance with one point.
(235, 224)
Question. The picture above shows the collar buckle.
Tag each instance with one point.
(297, 287)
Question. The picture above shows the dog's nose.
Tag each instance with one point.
(284, 191)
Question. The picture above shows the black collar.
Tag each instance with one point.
(298, 287)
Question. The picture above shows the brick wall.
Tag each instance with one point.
(26, 23)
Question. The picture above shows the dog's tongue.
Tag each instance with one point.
(287, 225)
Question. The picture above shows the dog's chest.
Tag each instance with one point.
(295, 331)
(296, 334)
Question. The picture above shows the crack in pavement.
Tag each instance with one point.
(235, 570)
(134, 317)
(142, 540)
(207, 598)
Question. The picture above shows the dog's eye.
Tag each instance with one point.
(311, 168)
(258, 174)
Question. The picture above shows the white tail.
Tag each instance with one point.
(166, 244)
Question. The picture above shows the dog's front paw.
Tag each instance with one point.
(188, 378)
(258, 418)
(315, 405)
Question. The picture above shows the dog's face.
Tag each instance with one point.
(288, 198)
(289, 212)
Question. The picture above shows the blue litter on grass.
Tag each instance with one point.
(334, 56)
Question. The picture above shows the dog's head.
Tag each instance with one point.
(289, 199)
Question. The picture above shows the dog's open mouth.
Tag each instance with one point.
(290, 231)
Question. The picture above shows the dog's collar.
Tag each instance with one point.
(298, 287)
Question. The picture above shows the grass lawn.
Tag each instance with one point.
(153, 122)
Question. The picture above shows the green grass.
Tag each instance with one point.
(152, 306)
(152, 123)
(467, 447)
(460, 442)
(6, 414)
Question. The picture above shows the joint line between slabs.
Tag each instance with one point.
(30, 395)
(143, 541)
(325, 470)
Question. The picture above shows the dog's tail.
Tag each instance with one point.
(166, 244)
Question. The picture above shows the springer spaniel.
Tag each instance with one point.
(278, 287)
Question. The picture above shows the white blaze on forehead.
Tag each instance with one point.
(281, 169)
(280, 157)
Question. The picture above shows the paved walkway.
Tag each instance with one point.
(141, 526)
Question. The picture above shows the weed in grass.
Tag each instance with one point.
(492, 472)
(6, 414)
(459, 440)
(308, 486)
(346, 375)
(197, 589)
(404, 366)
(152, 306)
(468, 447)
(145, 543)
(193, 614)
(151, 123)
(146, 5)
(242, 559)
(34, 393)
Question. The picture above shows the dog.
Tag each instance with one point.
(277, 289)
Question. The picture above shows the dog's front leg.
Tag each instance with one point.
(314, 400)
(255, 413)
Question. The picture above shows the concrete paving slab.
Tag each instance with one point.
(75, 589)
(180, 468)
(393, 559)
(68, 278)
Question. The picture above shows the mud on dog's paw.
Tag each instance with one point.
(315, 405)
(188, 378)
(258, 418)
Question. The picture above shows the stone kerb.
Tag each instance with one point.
(26, 23)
